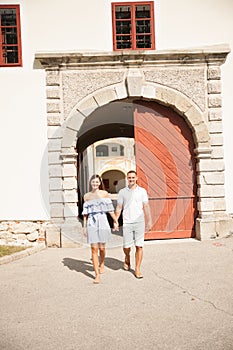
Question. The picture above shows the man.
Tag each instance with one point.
(133, 200)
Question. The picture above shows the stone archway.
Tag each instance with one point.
(187, 81)
(164, 95)
(190, 112)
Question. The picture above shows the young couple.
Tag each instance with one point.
(133, 200)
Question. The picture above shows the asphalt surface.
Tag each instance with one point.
(185, 301)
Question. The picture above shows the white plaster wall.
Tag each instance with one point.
(77, 25)
(23, 136)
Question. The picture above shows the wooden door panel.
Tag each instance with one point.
(165, 161)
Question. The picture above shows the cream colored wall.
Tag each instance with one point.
(58, 25)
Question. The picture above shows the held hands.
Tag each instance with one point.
(115, 226)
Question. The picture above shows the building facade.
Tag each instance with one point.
(166, 100)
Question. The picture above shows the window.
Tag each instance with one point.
(102, 151)
(133, 26)
(10, 37)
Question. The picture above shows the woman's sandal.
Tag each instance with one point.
(138, 275)
(97, 280)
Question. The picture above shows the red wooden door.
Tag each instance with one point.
(164, 150)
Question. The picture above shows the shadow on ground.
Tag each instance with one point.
(86, 267)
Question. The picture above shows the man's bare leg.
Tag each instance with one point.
(127, 258)
(138, 261)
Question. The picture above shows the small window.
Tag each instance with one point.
(114, 149)
(10, 38)
(102, 151)
(133, 26)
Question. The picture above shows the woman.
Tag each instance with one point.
(95, 222)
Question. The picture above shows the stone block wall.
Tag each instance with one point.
(24, 233)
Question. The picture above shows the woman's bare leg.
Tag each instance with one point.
(138, 261)
(95, 261)
(102, 256)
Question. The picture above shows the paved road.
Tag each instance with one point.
(184, 301)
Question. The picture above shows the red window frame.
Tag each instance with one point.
(132, 39)
(6, 47)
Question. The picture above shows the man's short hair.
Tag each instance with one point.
(131, 171)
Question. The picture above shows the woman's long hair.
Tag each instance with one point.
(96, 176)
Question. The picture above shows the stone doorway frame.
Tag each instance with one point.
(188, 81)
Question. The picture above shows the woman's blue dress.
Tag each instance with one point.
(98, 228)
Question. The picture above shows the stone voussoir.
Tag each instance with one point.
(105, 96)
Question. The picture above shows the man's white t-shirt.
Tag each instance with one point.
(132, 201)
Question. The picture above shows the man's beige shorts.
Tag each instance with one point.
(133, 234)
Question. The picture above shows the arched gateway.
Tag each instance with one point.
(171, 104)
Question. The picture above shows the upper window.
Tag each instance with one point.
(10, 38)
(133, 25)
(102, 151)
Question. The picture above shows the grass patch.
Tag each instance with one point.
(7, 250)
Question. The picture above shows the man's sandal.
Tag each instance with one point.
(126, 266)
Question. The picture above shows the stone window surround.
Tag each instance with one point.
(204, 119)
